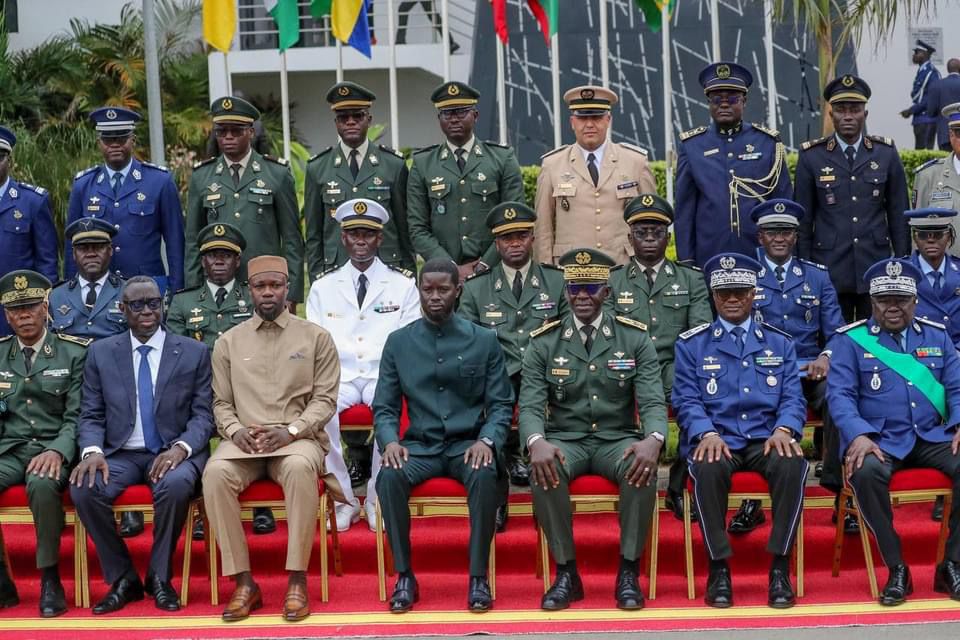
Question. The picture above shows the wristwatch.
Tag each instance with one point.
(293, 431)
(656, 435)
(487, 441)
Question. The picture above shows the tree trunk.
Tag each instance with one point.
(825, 60)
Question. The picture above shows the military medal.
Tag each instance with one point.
(712, 386)
(3, 406)
(441, 209)
(564, 203)
(771, 381)
(875, 382)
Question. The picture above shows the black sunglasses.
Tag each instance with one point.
(590, 289)
(138, 305)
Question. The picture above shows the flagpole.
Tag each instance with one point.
(339, 59)
(285, 105)
(555, 75)
(445, 36)
(604, 46)
(771, 74)
(226, 73)
(501, 92)
(152, 68)
(715, 28)
(667, 99)
(394, 116)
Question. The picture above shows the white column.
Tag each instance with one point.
(445, 36)
(501, 92)
(771, 73)
(394, 116)
(339, 59)
(715, 29)
(604, 46)
(555, 75)
(152, 69)
(285, 105)
(667, 100)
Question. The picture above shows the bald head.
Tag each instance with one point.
(953, 65)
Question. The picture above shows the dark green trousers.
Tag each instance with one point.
(603, 457)
(45, 496)
(393, 491)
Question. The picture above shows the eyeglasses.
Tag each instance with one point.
(928, 234)
(357, 116)
(456, 114)
(719, 100)
(232, 132)
(656, 234)
(779, 233)
(726, 294)
(590, 289)
(138, 305)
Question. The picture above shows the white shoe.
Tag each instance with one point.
(371, 513)
(347, 514)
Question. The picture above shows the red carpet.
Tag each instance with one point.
(440, 563)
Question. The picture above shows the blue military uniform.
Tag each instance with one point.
(938, 290)
(924, 119)
(722, 173)
(144, 210)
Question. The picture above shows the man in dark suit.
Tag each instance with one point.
(145, 417)
(943, 92)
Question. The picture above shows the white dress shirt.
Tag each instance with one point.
(215, 287)
(597, 154)
(361, 152)
(85, 285)
(136, 441)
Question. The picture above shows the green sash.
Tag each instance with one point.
(906, 366)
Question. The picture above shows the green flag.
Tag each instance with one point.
(286, 14)
(652, 12)
(547, 13)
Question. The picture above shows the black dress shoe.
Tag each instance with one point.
(357, 477)
(263, 521)
(780, 592)
(520, 473)
(850, 524)
(674, 502)
(947, 579)
(53, 602)
(566, 588)
(719, 588)
(478, 596)
(937, 514)
(164, 597)
(818, 470)
(405, 593)
(502, 514)
(197, 533)
(627, 591)
(899, 586)
(748, 517)
(122, 592)
(131, 524)
(8, 590)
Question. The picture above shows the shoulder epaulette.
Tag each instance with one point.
(630, 322)
(115, 278)
(158, 167)
(406, 272)
(197, 165)
(812, 143)
(320, 155)
(281, 161)
(931, 323)
(689, 333)
(686, 264)
(617, 267)
(814, 264)
(494, 143)
(553, 151)
(425, 149)
(80, 174)
(770, 327)
(686, 135)
(773, 133)
(390, 150)
(33, 187)
(929, 163)
(477, 274)
(83, 342)
(548, 265)
(633, 147)
(852, 325)
(547, 327)
(882, 140)
(5, 338)
(187, 289)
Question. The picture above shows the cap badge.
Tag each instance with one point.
(17, 215)
(111, 114)
(587, 94)
(894, 269)
(509, 214)
(583, 258)
(723, 72)
(359, 208)
(647, 200)
(227, 104)
(219, 230)
(779, 207)
(453, 90)
(728, 262)
(20, 283)
(343, 91)
(847, 81)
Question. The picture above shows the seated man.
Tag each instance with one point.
(894, 391)
(740, 407)
(145, 419)
(40, 378)
(273, 430)
(589, 425)
(360, 304)
(452, 376)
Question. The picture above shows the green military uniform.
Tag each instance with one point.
(447, 206)
(590, 399)
(381, 176)
(262, 204)
(38, 412)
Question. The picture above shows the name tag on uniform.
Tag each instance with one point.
(827, 178)
(195, 319)
(5, 385)
(711, 367)
(941, 195)
(214, 196)
(867, 355)
(756, 155)
(769, 361)
(386, 308)
(437, 187)
(493, 314)
(711, 152)
(333, 192)
(560, 372)
(678, 292)
(627, 185)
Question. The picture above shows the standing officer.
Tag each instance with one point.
(583, 188)
(594, 373)
(924, 122)
(943, 94)
(513, 299)
(454, 185)
(740, 408)
(138, 198)
(252, 191)
(41, 374)
(894, 390)
(854, 191)
(937, 182)
(354, 168)
(28, 238)
(87, 305)
(667, 297)
(724, 170)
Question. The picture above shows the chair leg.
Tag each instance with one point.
(77, 566)
(544, 557)
(867, 551)
(80, 546)
(334, 539)
(492, 567)
(324, 513)
(838, 530)
(688, 543)
(187, 554)
(381, 570)
(212, 560)
(944, 527)
(653, 543)
(799, 545)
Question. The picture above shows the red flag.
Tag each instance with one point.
(500, 19)
(546, 12)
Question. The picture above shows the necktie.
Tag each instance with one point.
(517, 286)
(235, 170)
(936, 281)
(117, 179)
(851, 154)
(778, 271)
(738, 337)
(91, 299)
(461, 163)
(588, 330)
(221, 296)
(151, 438)
(592, 168)
(354, 167)
(651, 276)
(361, 290)
(28, 358)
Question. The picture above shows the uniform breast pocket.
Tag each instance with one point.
(55, 390)
(470, 379)
(675, 309)
(544, 310)
(564, 190)
(769, 379)
(493, 319)
(332, 198)
(876, 378)
(880, 238)
(935, 364)
(16, 234)
(8, 388)
(826, 194)
(484, 190)
(712, 382)
(62, 322)
(141, 219)
(264, 204)
(627, 193)
(876, 181)
(438, 199)
(620, 378)
(559, 382)
(117, 319)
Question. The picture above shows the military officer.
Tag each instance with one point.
(740, 406)
(666, 296)
(924, 124)
(894, 390)
(593, 372)
(513, 298)
(453, 185)
(584, 187)
(41, 374)
(854, 191)
(138, 198)
(251, 191)
(937, 182)
(28, 238)
(938, 290)
(87, 305)
(354, 168)
(724, 170)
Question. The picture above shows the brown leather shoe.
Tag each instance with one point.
(296, 606)
(243, 601)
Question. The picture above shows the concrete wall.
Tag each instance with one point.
(40, 19)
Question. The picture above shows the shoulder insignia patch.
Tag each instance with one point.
(633, 147)
(814, 264)
(425, 149)
(158, 167)
(852, 325)
(553, 151)
(281, 161)
(390, 150)
(686, 135)
(773, 133)
(197, 165)
(929, 163)
(812, 143)
(689, 333)
(320, 155)
(630, 322)
(931, 323)
(406, 272)
(80, 174)
(545, 328)
(83, 342)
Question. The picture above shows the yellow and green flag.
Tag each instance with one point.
(348, 20)
(653, 12)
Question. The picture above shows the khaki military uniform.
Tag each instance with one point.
(572, 212)
(194, 313)
(937, 184)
